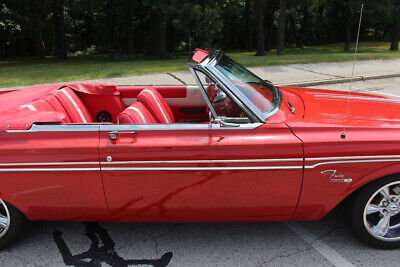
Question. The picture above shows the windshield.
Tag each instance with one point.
(262, 94)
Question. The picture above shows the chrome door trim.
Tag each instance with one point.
(200, 168)
(355, 157)
(130, 127)
(350, 161)
(59, 128)
(174, 127)
(49, 169)
(200, 161)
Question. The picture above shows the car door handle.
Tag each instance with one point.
(114, 134)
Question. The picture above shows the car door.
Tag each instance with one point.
(51, 172)
(200, 171)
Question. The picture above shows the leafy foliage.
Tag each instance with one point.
(158, 27)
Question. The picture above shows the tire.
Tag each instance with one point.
(12, 223)
(375, 213)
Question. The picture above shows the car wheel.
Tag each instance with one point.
(375, 213)
(12, 223)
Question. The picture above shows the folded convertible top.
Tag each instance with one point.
(13, 117)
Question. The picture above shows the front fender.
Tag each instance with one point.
(319, 196)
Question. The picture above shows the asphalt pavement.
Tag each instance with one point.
(328, 242)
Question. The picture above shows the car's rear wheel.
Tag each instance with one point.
(12, 223)
(375, 214)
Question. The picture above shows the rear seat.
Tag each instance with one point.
(65, 101)
(74, 106)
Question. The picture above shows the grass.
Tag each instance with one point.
(17, 72)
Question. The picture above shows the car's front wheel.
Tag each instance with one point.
(375, 213)
(12, 223)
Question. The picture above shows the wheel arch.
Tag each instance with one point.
(14, 202)
(317, 210)
(392, 170)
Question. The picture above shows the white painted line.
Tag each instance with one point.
(329, 253)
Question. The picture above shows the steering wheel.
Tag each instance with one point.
(222, 104)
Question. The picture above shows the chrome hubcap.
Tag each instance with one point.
(4, 218)
(382, 213)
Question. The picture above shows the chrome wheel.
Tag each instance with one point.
(382, 213)
(4, 218)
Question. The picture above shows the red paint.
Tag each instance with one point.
(311, 134)
(212, 195)
(52, 195)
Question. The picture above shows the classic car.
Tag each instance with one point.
(232, 148)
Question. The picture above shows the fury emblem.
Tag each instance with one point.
(335, 177)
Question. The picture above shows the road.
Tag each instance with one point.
(328, 242)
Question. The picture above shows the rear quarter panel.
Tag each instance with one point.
(52, 195)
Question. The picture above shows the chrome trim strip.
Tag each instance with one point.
(383, 158)
(75, 105)
(191, 168)
(48, 163)
(174, 126)
(200, 161)
(354, 157)
(135, 127)
(350, 161)
(76, 127)
(49, 169)
(198, 168)
(378, 99)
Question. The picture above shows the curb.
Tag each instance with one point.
(340, 80)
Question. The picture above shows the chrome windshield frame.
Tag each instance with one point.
(208, 66)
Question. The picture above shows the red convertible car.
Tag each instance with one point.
(232, 148)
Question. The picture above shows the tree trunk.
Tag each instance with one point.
(157, 35)
(349, 26)
(129, 28)
(348, 37)
(260, 26)
(190, 49)
(37, 32)
(249, 41)
(59, 28)
(280, 43)
(303, 26)
(394, 46)
(293, 29)
(268, 34)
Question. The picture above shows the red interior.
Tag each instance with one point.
(90, 103)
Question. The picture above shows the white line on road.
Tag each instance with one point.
(329, 253)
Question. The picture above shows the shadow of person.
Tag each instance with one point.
(104, 253)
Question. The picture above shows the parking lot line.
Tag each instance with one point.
(329, 253)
